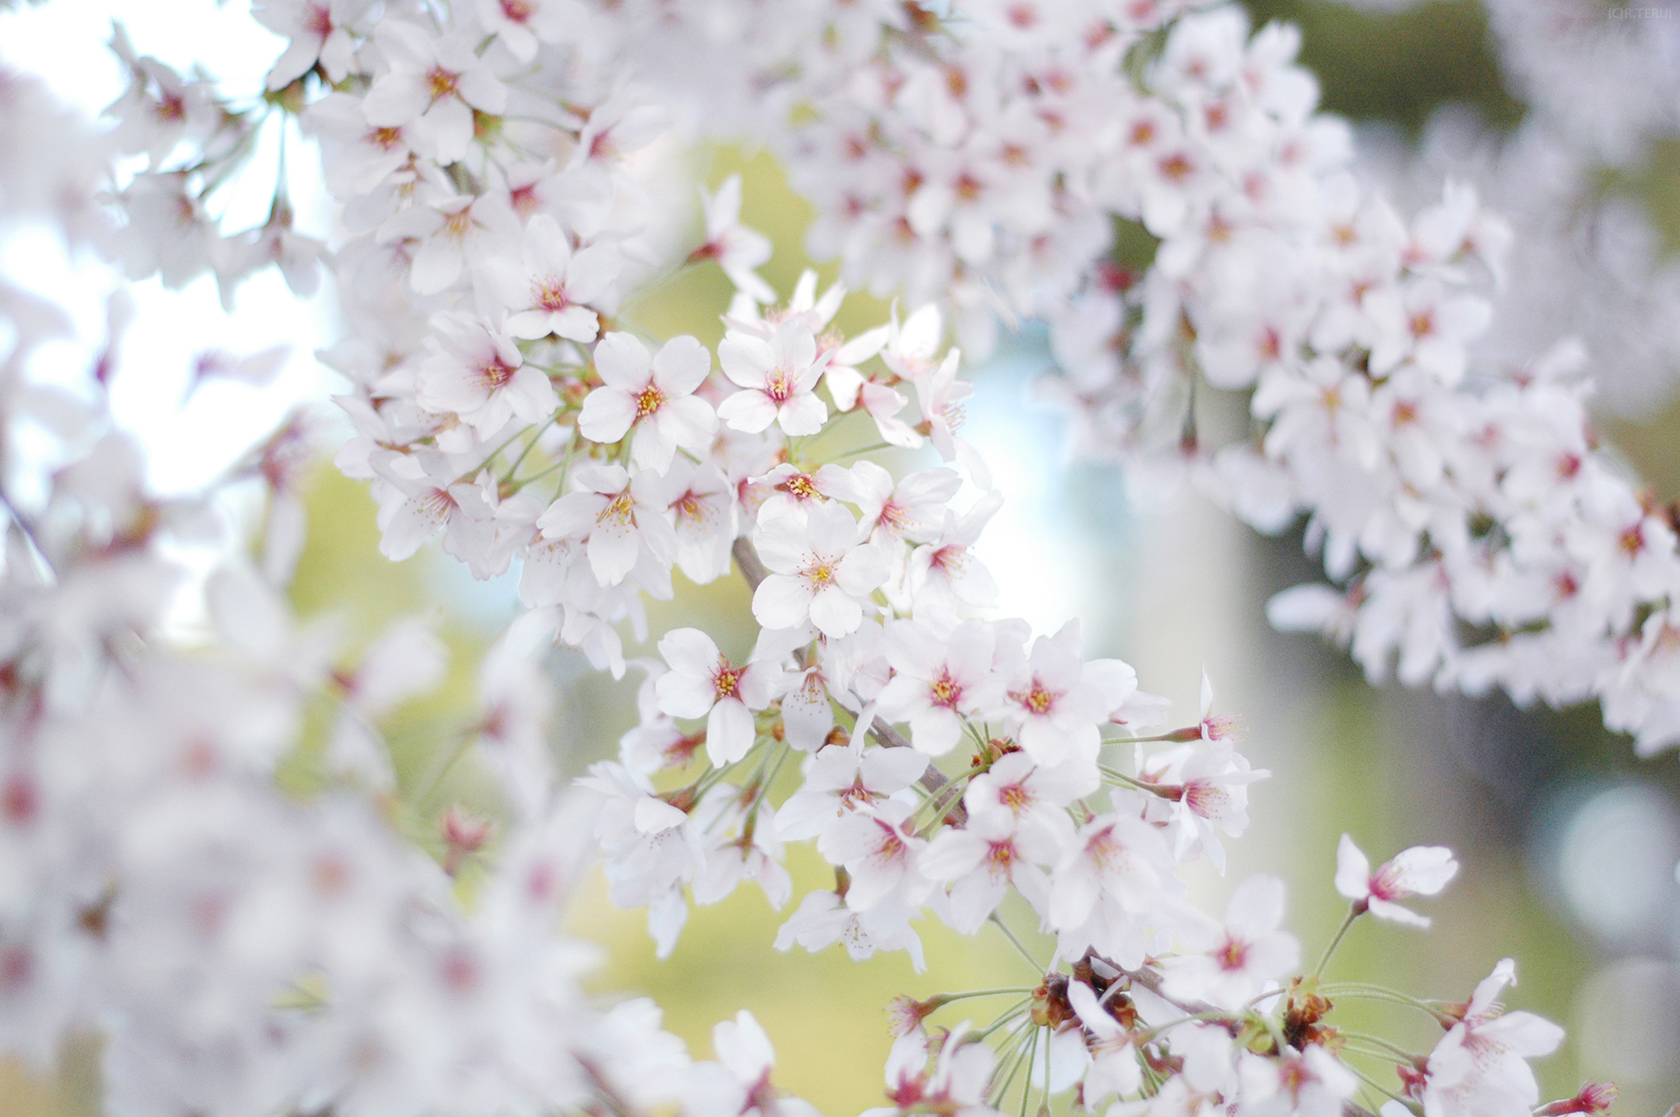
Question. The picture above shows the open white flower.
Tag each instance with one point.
(737, 249)
(622, 520)
(481, 376)
(1418, 871)
(1481, 1064)
(549, 289)
(820, 572)
(703, 683)
(1234, 961)
(433, 86)
(777, 378)
(652, 393)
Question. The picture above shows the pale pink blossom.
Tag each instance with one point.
(840, 779)
(1234, 962)
(820, 572)
(1481, 1065)
(703, 683)
(319, 31)
(777, 380)
(481, 375)
(621, 519)
(653, 393)
(551, 289)
(738, 250)
(878, 848)
(1418, 871)
(432, 86)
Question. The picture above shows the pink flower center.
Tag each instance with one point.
(494, 373)
(1103, 851)
(850, 797)
(944, 690)
(440, 83)
(779, 387)
(516, 10)
(19, 801)
(1386, 884)
(1001, 858)
(1016, 797)
(650, 400)
(458, 224)
(726, 679)
(1206, 799)
(170, 107)
(622, 510)
(1232, 956)
(691, 507)
(890, 847)
(949, 559)
(17, 967)
(524, 199)
(894, 518)
(459, 971)
(437, 505)
(317, 20)
(551, 295)
(800, 487)
(1037, 699)
(1176, 167)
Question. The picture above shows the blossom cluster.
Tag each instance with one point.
(1008, 161)
(523, 417)
(249, 949)
(1011, 159)
(235, 903)
(1582, 176)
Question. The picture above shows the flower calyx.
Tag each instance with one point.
(1050, 1005)
(1303, 1014)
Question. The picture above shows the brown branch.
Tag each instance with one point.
(933, 780)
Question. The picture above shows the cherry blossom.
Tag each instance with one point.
(433, 87)
(820, 572)
(499, 279)
(1481, 1064)
(1247, 952)
(1418, 871)
(553, 291)
(653, 394)
(739, 251)
(936, 685)
(481, 376)
(320, 35)
(843, 778)
(777, 378)
(703, 683)
(620, 518)
(882, 858)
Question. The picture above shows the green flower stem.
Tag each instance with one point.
(1354, 912)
